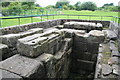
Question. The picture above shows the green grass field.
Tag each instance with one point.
(12, 22)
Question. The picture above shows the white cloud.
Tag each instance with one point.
(99, 3)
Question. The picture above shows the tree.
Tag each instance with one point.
(62, 3)
(50, 6)
(88, 6)
(28, 5)
(5, 4)
(71, 7)
(110, 4)
(77, 5)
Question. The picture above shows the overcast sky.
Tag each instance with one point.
(99, 3)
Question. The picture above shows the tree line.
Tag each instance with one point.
(17, 7)
(64, 4)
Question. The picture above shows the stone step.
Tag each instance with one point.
(11, 39)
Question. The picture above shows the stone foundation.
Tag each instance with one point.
(52, 49)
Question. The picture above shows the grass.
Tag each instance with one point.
(12, 22)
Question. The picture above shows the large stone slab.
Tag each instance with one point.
(82, 25)
(4, 75)
(11, 39)
(23, 66)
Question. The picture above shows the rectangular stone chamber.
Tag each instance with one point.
(53, 53)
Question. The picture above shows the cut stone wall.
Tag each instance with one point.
(21, 28)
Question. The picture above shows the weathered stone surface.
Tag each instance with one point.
(113, 47)
(92, 47)
(85, 65)
(115, 53)
(34, 47)
(11, 39)
(3, 48)
(69, 33)
(82, 25)
(100, 49)
(59, 26)
(3, 51)
(54, 42)
(106, 69)
(80, 37)
(113, 60)
(23, 66)
(96, 36)
(116, 69)
(110, 34)
(4, 75)
(63, 63)
(68, 43)
(100, 57)
(49, 64)
(98, 71)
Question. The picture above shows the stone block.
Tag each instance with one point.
(23, 66)
(98, 71)
(113, 60)
(68, 43)
(33, 48)
(49, 64)
(11, 39)
(82, 25)
(69, 33)
(59, 26)
(53, 43)
(62, 65)
(83, 56)
(116, 69)
(3, 50)
(92, 47)
(96, 36)
(113, 47)
(110, 34)
(115, 53)
(85, 65)
(4, 75)
(106, 69)
(81, 47)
